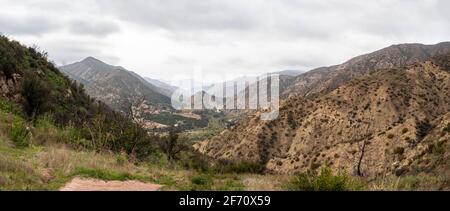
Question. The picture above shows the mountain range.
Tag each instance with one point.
(383, 113)
(122, 90)
(377, 113)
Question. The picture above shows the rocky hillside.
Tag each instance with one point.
(329, 78)
(122, 90)
(146, 101)
(378, 114)
(116, 86)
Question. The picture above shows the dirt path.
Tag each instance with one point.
(79, 184)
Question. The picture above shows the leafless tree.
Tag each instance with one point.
(363, 150)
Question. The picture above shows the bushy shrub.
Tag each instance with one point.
(405, 130)
(225, 167)
(35, 93)
(103, 174)
(20, 133)
(9, 107)
(202, 182)
(325, 180)
(399, 150)
(196, 161)
(10, 55)
(437, 148)
(45, 131)
(172, 145)
(423, 128)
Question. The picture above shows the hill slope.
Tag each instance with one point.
(329, 78)
(38, 92)
(165, 89)
(117, 87)
(394, 102)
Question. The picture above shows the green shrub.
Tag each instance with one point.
(201, 163)
(46, 131)
(405, 130)
(202, 182)
(225, 167)
(423, 128)
(35, 92)
(20, 133)
(437, 148)
(196, 161)
(390, 136)
(172, 145)
(323, 181)
(399, 150)
(9, 107)
(103, 174)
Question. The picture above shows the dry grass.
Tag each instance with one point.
(385, 184)
(255, 182)
(66, 160)
(420, 182)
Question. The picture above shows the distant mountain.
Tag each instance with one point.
(382, 113)
(119, 88)
(290, 72)
(329, 78)
(165, 88)
(242, 83)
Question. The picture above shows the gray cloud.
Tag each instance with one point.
(93, 28)
(222, 35)
(300, 62)
(26, 25)
(182, 14)
(65, 51)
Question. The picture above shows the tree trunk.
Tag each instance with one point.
(363, 150)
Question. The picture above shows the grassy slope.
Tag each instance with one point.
(50, 166)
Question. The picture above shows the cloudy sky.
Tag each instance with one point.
(168, 38)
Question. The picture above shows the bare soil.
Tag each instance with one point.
(81, 184)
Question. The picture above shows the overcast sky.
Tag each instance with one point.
(165, 38)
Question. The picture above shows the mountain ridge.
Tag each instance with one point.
(114, 85)
(348, 95)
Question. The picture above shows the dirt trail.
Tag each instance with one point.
(79, 184)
